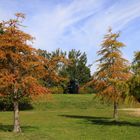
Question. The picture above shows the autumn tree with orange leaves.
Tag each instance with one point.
(112, 73)
(20, 65)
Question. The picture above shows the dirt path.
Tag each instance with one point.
(132, 111)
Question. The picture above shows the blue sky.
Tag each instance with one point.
(78, 24)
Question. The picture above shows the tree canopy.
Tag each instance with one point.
(20, 65)
(112, 73)
(135, 80)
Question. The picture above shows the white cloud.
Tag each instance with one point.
(48, 26)
(80, 24)
(89, 36)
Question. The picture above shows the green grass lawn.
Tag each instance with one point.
(71, 117)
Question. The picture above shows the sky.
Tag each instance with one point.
(78, 24)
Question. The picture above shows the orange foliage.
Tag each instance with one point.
(20, 64)
(112, 73)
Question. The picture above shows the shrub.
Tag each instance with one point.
(56, 90)
(6, 104)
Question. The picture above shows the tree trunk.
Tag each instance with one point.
(16, 117)
(115, 114)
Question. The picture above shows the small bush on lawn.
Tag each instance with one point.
(7, 105)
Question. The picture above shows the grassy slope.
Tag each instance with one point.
(70, 117)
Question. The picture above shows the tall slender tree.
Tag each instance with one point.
(20, 66)
(112, 72)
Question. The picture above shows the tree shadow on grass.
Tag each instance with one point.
(9, 128)
(103, 121)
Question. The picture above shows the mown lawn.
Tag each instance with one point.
(71, 117)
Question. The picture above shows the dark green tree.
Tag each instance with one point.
(78, 68)
(55, 61)
(74, 69)
(135, 80)
(77, 72)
